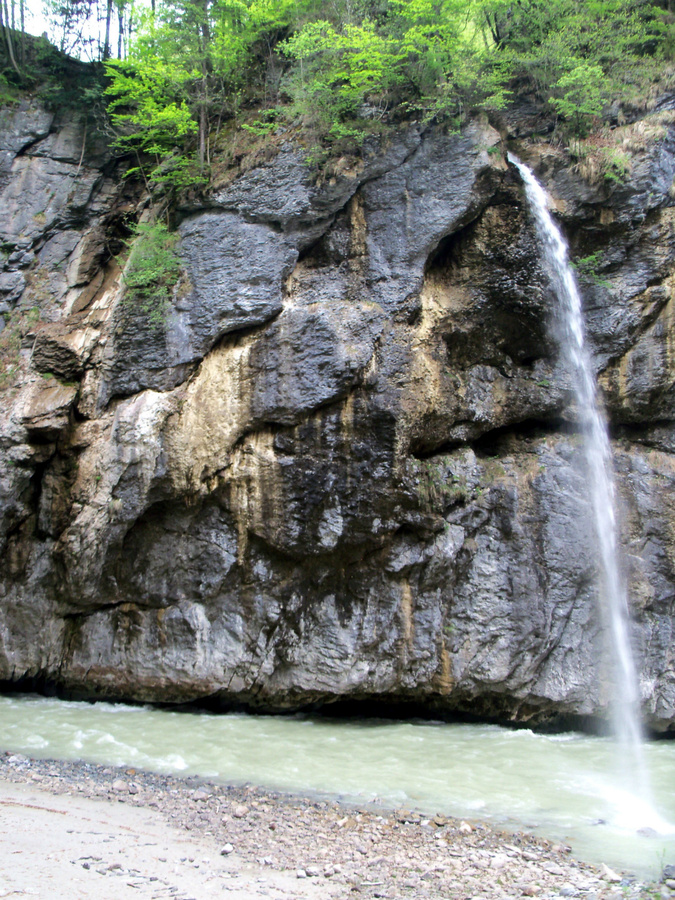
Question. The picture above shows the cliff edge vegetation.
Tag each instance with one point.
(194, 77)
(340, 71)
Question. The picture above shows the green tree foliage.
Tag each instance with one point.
(187, 67)
(444, 58)
(578, 55)
(339, 66)
(339, 69)
(152, 116)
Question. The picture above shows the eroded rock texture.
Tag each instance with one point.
(344, 467)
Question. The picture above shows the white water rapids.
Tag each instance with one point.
(625, 693)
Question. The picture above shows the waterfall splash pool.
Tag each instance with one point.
(559, 786)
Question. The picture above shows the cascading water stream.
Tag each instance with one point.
(597, 451)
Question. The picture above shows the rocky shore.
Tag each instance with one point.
(159, 836)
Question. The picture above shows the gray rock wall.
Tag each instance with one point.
(345, 466)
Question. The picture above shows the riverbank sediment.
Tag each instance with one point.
(102, 831)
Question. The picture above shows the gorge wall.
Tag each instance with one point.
(344, 464)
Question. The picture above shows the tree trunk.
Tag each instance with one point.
(203, 126)
(108, 17)
(120, 30)
(4, 24)
(204, 32)
(22, 22)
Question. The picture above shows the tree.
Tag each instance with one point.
(342, 64)
(7, 30)
(577, 55)
(187, 63)
(340, 68)
(84, 28)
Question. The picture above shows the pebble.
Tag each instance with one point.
(399, 856)
(609, 874)
(553, 869)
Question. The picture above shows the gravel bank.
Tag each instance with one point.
(195, 839)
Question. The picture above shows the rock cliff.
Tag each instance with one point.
(344, 465)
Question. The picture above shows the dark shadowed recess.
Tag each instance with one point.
(506, 439)
(366, 709)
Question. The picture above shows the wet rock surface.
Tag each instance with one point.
(344, 465)
(253, 842)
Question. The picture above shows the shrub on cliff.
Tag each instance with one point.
(152, 270)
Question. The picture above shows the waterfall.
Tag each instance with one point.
(613, 597)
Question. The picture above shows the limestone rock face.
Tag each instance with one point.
(344, 466)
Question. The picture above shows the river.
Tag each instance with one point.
(561, 786)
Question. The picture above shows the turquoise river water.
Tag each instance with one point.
(560, 786)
